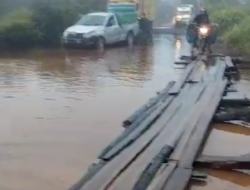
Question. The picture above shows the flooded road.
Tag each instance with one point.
(60, 108)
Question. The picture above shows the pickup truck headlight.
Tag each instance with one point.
(65, 34)
(89, 34)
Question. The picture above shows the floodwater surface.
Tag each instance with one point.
(226, 140)
(60, 108)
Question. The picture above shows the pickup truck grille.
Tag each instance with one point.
(74, 36)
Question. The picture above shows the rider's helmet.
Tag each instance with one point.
(203, 11)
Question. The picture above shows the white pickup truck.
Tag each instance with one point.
(99, 29)
(184, 15)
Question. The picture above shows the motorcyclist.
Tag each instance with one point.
(200, 19)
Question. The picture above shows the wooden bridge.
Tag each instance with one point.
(162, 140)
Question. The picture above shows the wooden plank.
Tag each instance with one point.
(176, 126)
(143, 123)
(160, 180)
(181, 62)
(221, 69)
(91, 172)
(233, 114)
(178, 85)
(200, 72)
(153, 167)
(179, 179)
(187, 123)
(233, 102)
(124, 170)
(191, 126)
(203, 125)
(212, 72)
(240, 60)
(204, 72)
(199, 175)
(196, 140)
(223, 162)
(229, 64)
(149, 104)
(216, 55)
(136, 133)
(190, 78)
(114, 168)
(185, 57)
(178, 153)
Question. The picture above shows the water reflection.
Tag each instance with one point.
(65, 106)
(235, 177)
(219, 180)
(226, 140)
(131, 65)
(233, 128)
(13, 72)
(177, 49)
(81, 69)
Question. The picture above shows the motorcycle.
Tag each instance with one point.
(203, 38)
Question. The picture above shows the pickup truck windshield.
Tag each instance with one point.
(91, 20)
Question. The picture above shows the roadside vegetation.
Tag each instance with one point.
(25, 23)
(233, 17)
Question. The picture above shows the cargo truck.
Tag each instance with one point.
(145, 8)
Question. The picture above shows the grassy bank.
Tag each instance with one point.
(234, 21)
(40, 22)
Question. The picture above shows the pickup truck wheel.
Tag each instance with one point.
(130, 39)
(100, 43)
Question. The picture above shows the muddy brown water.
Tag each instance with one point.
(60, 108)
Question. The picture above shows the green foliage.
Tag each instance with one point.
(51, 21)
(234, 22)
(228, 18)
(18, 29)
(45, 21)
(217, 5)
(239, 37)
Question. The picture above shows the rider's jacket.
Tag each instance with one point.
(201, 19)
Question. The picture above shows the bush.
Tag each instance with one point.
(44, 23)
(239, 37)
(228, 18)
(51, 20)
(18, 29)
(233, 18)
(52, 17)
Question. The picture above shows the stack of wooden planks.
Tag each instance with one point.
(164, 135)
